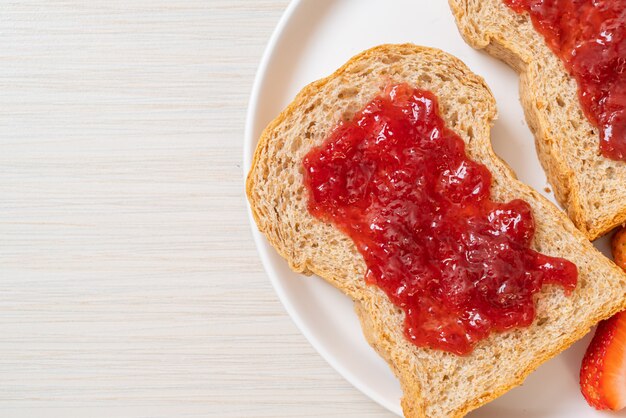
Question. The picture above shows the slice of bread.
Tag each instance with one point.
(435, 383)
(590, 187)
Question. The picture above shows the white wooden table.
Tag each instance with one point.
(129, 282)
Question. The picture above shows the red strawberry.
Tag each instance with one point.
(603, 372)
(618, 247)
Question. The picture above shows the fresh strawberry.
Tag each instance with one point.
(603, 372)
(618, 247)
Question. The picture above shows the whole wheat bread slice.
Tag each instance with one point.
(590, 187)
(435, 383)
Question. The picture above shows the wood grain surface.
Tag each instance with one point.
(129, 282)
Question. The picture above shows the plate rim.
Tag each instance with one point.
(261, 244)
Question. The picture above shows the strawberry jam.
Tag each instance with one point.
(589, 36)
(399, 183)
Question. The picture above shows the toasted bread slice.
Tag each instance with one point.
(435, 383)
(590, 187)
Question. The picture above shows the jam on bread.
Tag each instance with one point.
(589, 36)
(399, 183)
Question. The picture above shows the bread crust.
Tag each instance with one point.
(272, 203)
(482, 28)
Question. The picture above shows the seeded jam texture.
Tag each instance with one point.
(400, 184)
(589, 36)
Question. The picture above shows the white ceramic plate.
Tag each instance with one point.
(314, 38)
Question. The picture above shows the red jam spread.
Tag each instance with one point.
(399, 183)
(590, 38)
